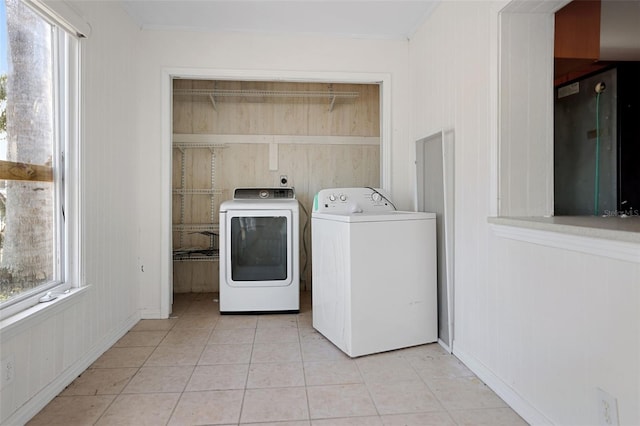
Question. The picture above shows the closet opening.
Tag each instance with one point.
(233, 133)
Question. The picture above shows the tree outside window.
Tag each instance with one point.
(29, 229)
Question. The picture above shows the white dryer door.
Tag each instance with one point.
(259, 248)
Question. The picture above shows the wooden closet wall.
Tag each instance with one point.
(251, 141)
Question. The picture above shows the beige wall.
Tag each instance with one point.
(276, 115)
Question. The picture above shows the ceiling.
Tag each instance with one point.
(381, 19)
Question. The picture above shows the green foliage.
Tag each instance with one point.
(3, 102)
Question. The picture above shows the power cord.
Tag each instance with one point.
(304, 244)
(596, 196)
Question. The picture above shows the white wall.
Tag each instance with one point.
(564, 324)
(543, 326)
(244, 55)
(122, 190)
(53, 348)
(526, 114)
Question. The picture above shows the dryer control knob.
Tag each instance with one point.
(343, 197)
(376, 197)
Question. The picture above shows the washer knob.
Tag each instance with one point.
(332, 197)
(376, 197)
(343, 197)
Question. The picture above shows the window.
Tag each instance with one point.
(526, 119)
(38, 128)
(596, 110)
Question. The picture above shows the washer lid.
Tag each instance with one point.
(387, 216)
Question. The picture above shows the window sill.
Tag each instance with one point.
(19, 322)
(613, 237)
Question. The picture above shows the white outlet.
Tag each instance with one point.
(607, 409)
(7, 371)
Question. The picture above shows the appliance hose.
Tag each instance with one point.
(596, 194)
(305, 250)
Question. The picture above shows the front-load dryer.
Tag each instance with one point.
(259, 251)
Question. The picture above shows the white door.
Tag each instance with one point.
(434, 167)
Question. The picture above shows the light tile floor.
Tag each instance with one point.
(200, 368)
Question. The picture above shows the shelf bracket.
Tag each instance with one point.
(332, 94)
(333, 101)
(213, 101)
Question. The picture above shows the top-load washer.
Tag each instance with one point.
(259, 251)
(374, 272)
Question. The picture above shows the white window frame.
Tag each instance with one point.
(66, 52)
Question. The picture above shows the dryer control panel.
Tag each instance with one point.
(264, 194)
(352, 200)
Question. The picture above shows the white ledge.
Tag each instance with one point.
(21, 321)
(613, 237)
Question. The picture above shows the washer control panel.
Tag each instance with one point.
(352, 200)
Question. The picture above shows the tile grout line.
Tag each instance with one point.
(173, 410)
(116, 396)
(423, 380)
(366, 385)
(246, 379)
(304, 375)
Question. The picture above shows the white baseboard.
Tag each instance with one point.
(444, 345)
(151, 314)
(34, 405)
(521, 406)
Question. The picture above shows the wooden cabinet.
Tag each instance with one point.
(577, 40)
(577, 30)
